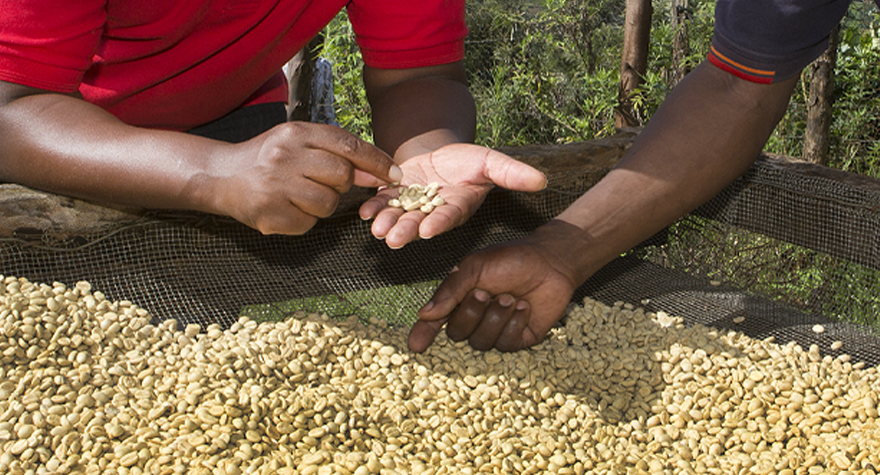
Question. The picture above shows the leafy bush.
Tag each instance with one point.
(546, 71)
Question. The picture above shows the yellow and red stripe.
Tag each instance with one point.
(759, 76)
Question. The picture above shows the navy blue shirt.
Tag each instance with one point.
(767, 41)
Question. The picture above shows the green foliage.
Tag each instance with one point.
(856, 115)
(783, 272)
(538, 70)
(546, 71)
(856, 124)
(350, 98)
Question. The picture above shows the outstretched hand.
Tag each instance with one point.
(465, 173)
(507, 296)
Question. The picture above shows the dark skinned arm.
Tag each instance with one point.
(426, 118)
(290, 176)
(708, 131)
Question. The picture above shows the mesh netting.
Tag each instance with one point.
(776, 253)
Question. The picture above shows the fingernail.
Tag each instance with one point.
(427, 308)
(395, 173)
(522, 305)
(505, 300)
(481, 295)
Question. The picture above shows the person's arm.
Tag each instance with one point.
(426, 118)
(417, 111)
(279, 182)
(707, 132)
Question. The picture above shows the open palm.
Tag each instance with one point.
(465, 173)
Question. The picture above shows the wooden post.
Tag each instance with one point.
(680, 44)
(633, 61)
(817, 137)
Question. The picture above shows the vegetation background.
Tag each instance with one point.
(547, 72)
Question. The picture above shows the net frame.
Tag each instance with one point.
(205, 269)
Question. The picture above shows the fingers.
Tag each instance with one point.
(451, 291)
(511, 337)
(403, 232)
(468, 315)
(512, 174)
(289, 220)
(485, 322)
(496, 316)
(364, 156)
(315, 199)
(423, 333)
(366, 180)
(399, 228)
(443, 219)
(500, 325)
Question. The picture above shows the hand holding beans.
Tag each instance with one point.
(464, 174)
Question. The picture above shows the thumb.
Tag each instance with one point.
(368, 180)
(422, 334)
(449, 294)
(512, 174)
(436, 312)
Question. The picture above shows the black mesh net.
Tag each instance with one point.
(775, 254)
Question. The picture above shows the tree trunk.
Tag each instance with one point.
(817, 138)
(299, 80)
(680, 45)
(633, 61)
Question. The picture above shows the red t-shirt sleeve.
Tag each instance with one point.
(398, 34)
(49, 44)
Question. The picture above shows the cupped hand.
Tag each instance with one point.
(284, 180)
(507, 296)
(465, 173)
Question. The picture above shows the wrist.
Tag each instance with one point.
(570, 247)
(202, 190)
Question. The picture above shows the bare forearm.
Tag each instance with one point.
(421, 114)
(64, 145)
(706, 134)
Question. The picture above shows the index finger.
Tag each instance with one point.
(364, 156)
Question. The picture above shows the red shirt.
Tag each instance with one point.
(177, 64)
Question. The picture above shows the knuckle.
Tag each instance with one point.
(289, 130)
(327, 206)
(343, 171)
(269, 225)
(350, 144)
(319, 201)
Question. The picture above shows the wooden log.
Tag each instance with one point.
(809, 205)
(29, 213)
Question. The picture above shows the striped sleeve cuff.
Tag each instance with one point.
(760, 76)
